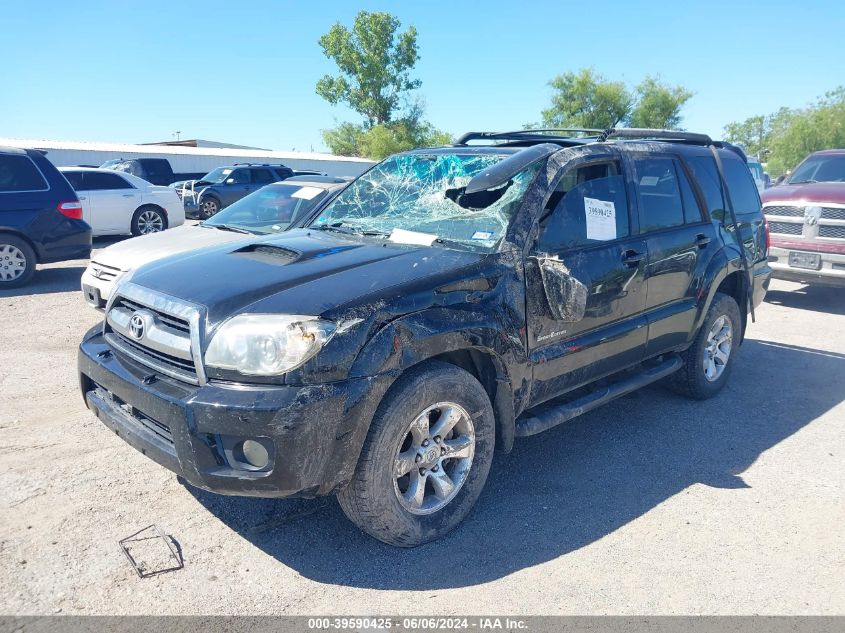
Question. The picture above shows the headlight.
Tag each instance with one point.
(267, 344)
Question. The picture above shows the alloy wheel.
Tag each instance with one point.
(717, 351)
(150, 222)
(434, 458)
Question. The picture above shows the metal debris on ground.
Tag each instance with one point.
(151, 552)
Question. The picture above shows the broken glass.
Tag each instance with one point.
(420, 193)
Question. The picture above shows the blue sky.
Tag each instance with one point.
(245, 72)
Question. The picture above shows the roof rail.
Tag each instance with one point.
(259, 164)
(655, 135)
(534, 135)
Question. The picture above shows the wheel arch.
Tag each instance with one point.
(25, 238)
(148, 205)
(725, 275)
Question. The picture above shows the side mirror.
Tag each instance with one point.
(566, 296)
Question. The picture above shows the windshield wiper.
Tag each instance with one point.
(349, 229)
(802, 182)
(227, 227)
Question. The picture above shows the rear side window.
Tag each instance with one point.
(704, 171)
(282, 174)
(76, 179)
(19, 173)
(262, 175)
(660, 195)
(99, 181)
(743, 191)
(588, 206)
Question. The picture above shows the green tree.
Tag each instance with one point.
(588, 99)
(785, 137)
(658, 105)
(374, 62)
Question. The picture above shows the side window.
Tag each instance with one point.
(76, 179)
(283, 173)
(240, 176)
(588, 206)
(660, 195)
(692, 210)
(704, 171)
(744, 195)
(262, 175)
(19, 173)
(99, 181)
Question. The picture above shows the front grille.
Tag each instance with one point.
(833, 213)
(835, 232)
(792, 212)
(175, 322)
(785, 228)
(106, 273)
(162, 339)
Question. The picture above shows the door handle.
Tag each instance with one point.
(632, 258)
(701, 240)
(127, 195)
(82, 198)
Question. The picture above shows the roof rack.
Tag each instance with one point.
(655, 135)
(533, 135)
(259, 165)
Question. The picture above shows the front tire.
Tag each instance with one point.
(208, 207)
(708, 363)
(17, 262)
(148, 220)
(425, 459)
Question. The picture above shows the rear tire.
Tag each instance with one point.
(406, 490)
(148, 219)
(17, 262)
(708, 363)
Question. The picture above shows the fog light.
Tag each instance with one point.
(255, 454)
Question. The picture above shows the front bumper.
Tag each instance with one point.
(831, 272)
(96, 290)
(314, 433)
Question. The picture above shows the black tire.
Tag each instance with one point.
(692, 380)
(371, 500)
(12, 250)
(208, 207)
(146, 217)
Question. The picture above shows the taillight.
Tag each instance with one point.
(768, 236)
(73, 210)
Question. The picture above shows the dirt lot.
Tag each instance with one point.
(651, 505)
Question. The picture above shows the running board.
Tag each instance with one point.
(547, 416)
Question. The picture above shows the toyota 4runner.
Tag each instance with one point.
(446, 302)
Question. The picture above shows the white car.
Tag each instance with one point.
(270, 210)
(116, 203)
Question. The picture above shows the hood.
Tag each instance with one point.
(302, 272)
(809, 192)
(141, 250)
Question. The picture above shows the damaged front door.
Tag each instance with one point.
(585, 280)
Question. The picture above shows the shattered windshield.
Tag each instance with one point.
(417, 199)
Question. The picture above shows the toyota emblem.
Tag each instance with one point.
(136, 326)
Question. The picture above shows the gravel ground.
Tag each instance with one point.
(651, 505)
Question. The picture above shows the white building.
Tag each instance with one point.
(188, 158)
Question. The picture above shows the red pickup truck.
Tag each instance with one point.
(806, 216)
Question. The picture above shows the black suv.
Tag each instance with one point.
(40, 216)
(222, 186)
(444, 303)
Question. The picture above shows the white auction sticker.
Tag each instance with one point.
(307, 193)
(601, 219)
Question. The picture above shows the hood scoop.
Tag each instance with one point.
(268, 254)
